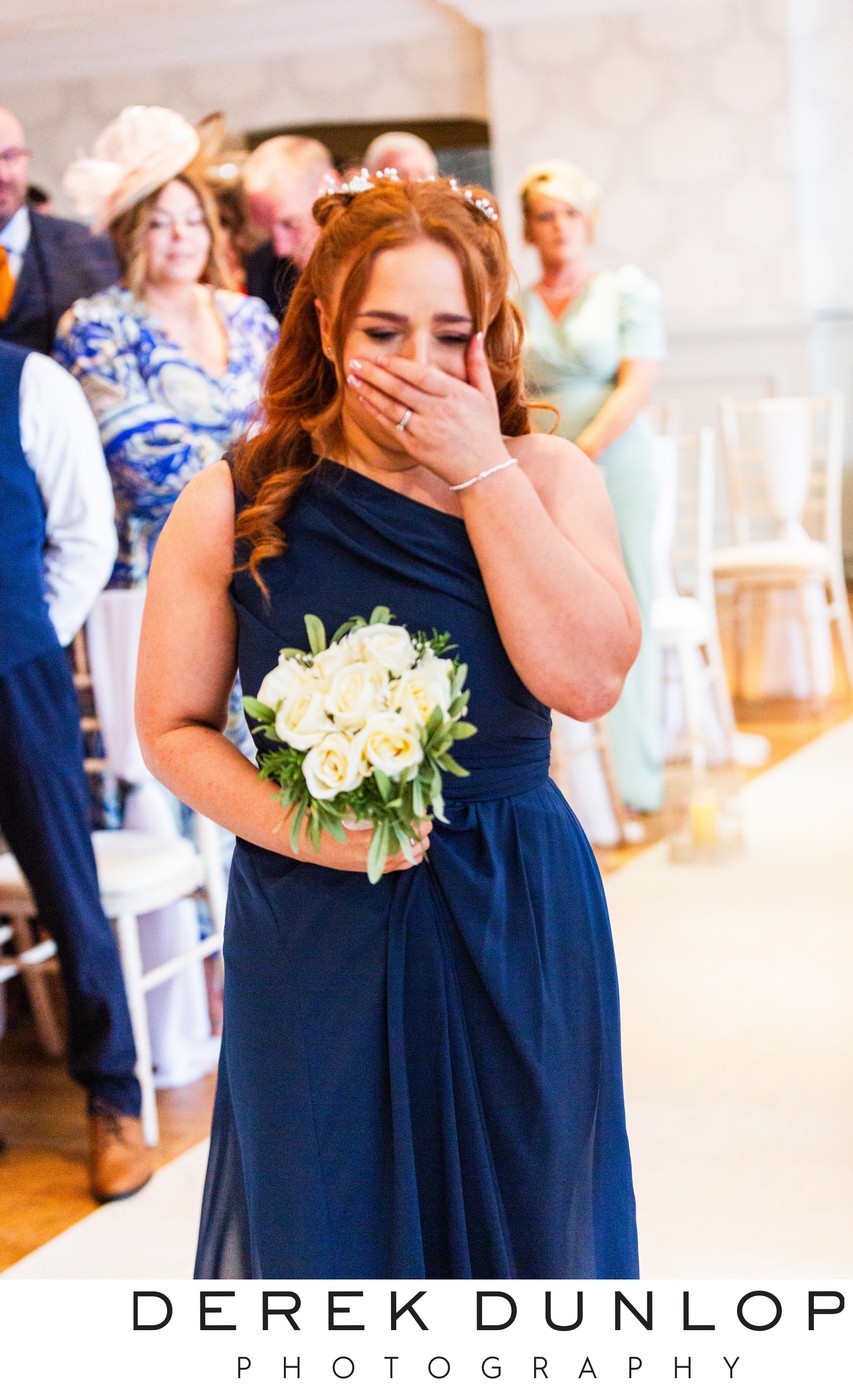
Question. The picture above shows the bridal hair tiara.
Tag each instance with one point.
(362, 181)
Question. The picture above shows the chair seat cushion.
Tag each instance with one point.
(132, 861)
(677, 619)
(136, 871)
(770, 558)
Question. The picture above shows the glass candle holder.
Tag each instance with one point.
(702, 815)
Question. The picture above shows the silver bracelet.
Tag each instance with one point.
(481, 476)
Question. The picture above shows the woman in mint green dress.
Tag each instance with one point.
(593, 341)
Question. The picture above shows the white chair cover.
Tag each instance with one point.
(183, 1048)
(785, 440)
(666, 476)
(749, 749)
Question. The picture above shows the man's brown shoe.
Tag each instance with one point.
(119, 1161)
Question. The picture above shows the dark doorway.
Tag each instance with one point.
(461, 146)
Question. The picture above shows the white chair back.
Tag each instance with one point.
(694, 517)
(665, 417)
(783, 465)
(684, 521)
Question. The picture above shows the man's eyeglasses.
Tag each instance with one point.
(12, 156)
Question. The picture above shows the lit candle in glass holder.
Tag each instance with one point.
(704, 822)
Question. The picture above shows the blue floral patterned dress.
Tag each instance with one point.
(162, 416)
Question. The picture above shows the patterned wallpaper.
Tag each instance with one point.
(684, 117)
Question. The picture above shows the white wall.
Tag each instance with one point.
(821, 53)
(821, 50)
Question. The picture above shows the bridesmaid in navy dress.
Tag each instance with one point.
(420, 1078)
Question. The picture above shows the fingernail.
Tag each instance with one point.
(353, 381)
(355, 365)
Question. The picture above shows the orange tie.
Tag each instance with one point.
(7, 283)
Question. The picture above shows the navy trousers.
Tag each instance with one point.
(44, 816)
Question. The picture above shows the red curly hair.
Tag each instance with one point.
(303, 395)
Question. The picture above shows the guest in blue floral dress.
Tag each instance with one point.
(171, 366)
(170, 359)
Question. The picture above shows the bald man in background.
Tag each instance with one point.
(282, 178)
(413, 159)
(46, 263)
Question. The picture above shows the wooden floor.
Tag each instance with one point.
(43, 1183)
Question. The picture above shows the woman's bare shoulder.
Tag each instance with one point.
(210, 493)
(201, 525)
(551, 462)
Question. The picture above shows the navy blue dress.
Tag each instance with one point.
(420, 1078)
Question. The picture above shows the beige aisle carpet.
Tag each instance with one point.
(738, 1044)
(738, 1034)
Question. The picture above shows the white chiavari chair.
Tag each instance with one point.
(684, 615)
(783, 464)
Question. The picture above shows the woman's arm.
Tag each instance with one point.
(187, 663)
(641, 349)
(548, 550)
(634, 382)
(543, 533)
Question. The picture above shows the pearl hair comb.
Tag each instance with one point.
(362, 181)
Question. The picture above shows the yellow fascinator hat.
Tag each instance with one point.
(564, 181)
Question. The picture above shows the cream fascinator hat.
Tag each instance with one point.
(564, 181)
(143, 148)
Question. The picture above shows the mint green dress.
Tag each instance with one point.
(571, 362)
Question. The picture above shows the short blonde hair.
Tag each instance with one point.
(129, 230)
(291, 156)
(563, 181)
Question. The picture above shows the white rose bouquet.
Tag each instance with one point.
(363, 727)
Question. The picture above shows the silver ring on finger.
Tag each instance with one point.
(403, 424)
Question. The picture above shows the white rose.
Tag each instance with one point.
(333, 766)
(390, 744)
(436, 664)
(301, 720)
(355, 692)
(329, 661)
(390, 645)
(281, 683)
(421, 690)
